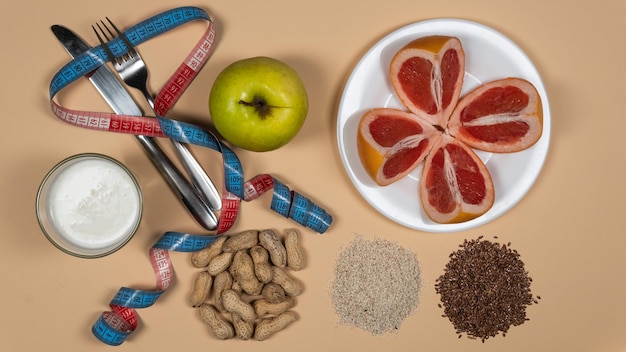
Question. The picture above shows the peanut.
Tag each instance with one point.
(268, 327)
(234, 304)
(219, 326)
(201, 258)
(295, 256)
(237, 287)
(242, 240)
(243, 272)
(246, 277)
(274, 246)
(263, 307)
(262, 268)
(220, 263)
(201, 288)
(273, 293)
(243, 329)
(223, 281)
(291, 286)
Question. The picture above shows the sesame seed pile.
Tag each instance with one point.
(376, 285)
(485, 289)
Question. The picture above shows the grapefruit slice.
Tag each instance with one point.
(455, 185)
(391, 143)
(427, 75)
(501, 116)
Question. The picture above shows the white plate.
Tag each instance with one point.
(489, 55)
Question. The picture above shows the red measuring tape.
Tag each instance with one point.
(114, 326)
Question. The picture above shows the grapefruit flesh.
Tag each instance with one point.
(440, 128)
(427, 75)
(391, 143)
(501, 116)
(455, 185)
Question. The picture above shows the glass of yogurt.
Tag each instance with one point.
(89, 205)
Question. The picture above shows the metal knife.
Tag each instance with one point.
(121, 102)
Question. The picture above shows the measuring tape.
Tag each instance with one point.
(114, 326)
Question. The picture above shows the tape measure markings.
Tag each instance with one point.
(114, 326)
(185, 73)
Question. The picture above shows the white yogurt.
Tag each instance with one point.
(93, 204)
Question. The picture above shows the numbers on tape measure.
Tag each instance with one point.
(114, 326)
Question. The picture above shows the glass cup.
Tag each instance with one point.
(89, 205)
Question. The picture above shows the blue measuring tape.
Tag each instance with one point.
(113, 327)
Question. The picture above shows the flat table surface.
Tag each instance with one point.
(568, 229)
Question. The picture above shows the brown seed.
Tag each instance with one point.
(484, 289)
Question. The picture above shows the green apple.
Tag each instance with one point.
(258, 103)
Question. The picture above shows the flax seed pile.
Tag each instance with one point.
(376, 285)
(485, 289)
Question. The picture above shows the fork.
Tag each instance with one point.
(133, 70)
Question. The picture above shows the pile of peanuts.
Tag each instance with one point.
(245, 290)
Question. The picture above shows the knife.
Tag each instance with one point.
(121, 102)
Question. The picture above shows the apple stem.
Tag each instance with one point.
(260, 105)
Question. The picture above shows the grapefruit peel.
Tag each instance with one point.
(441, 129)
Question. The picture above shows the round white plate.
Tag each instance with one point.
(489, 56)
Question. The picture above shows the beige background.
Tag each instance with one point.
(569, 229)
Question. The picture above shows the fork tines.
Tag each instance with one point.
(112, 57)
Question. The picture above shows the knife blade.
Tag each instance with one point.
(120, 100)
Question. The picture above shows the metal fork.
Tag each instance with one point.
(134, 72)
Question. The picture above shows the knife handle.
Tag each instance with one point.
(200, 179)
(179, 184)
